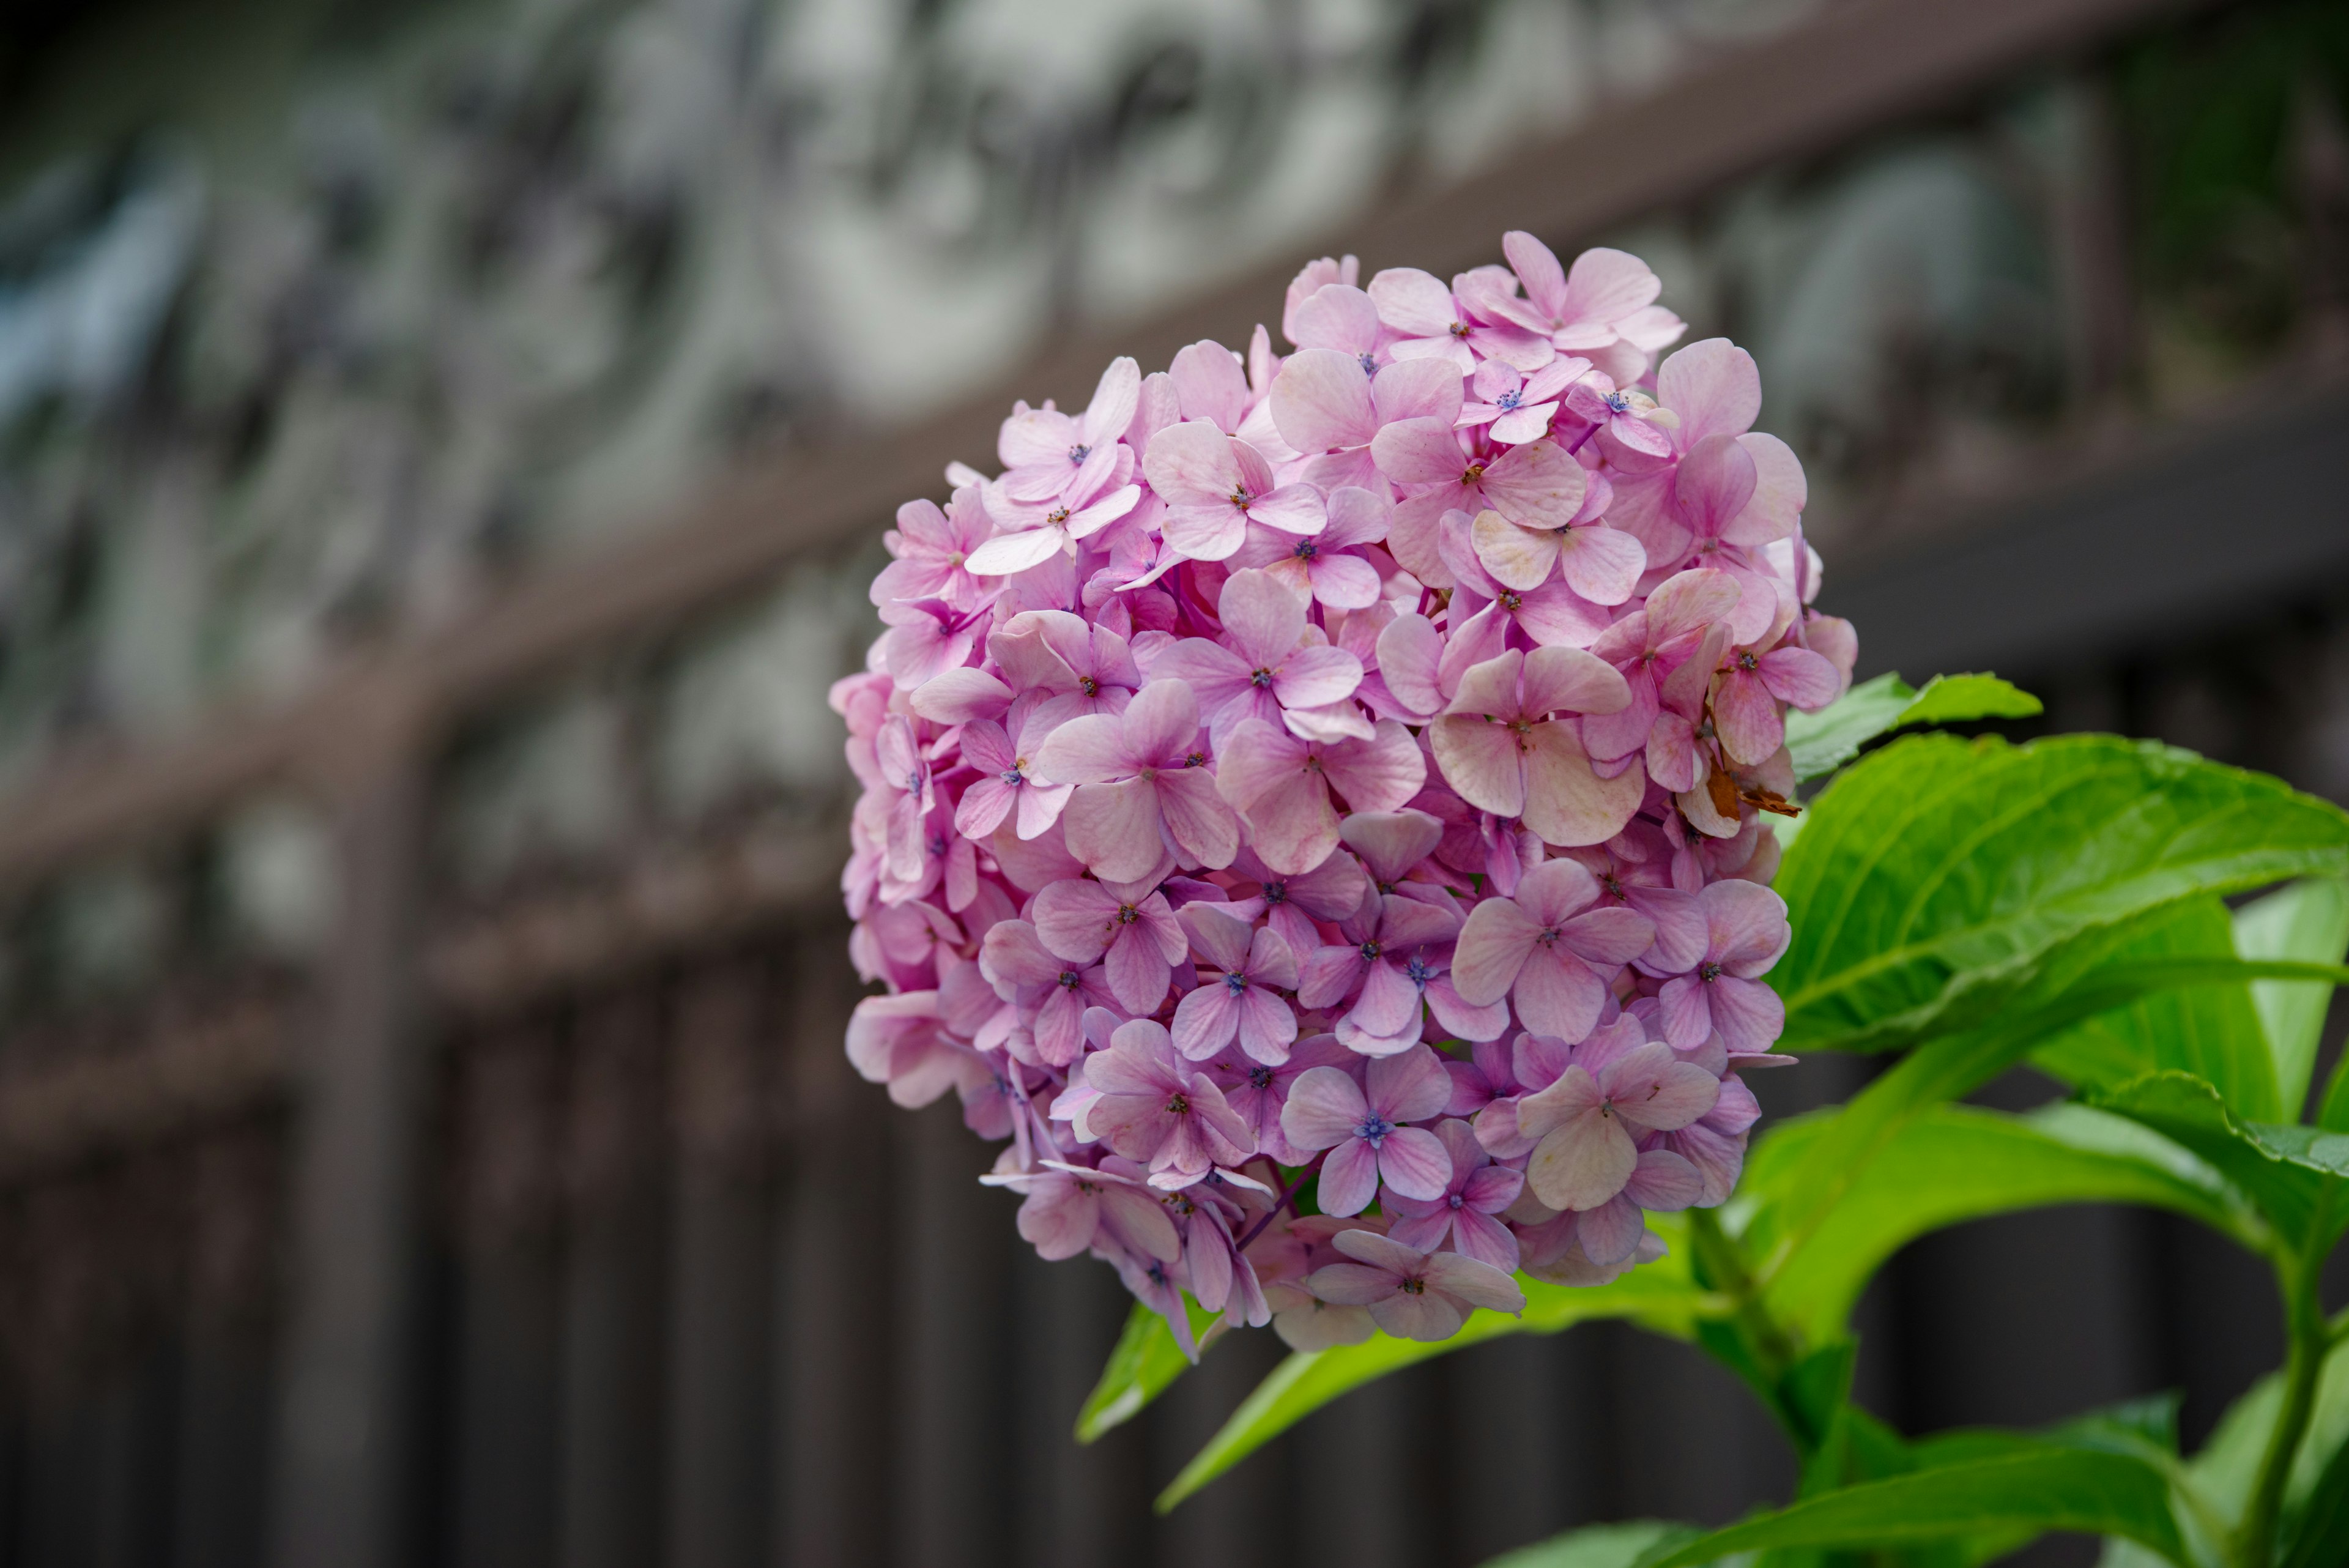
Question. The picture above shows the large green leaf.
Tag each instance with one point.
(2308, 920)
(1938, 878)
(1953, 1164)
(1597, 1546)
(1822, 742)
(1141, 1364)
(2211, 1029)
(2028, 1491)
(1659, 1295)
(2295, 1174)
(2075, 982)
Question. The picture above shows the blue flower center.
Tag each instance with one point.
(1370, 363)
(1306, 550)
(1260, 1075)
(1620, 401)
(1276, 892)
(1371, 953)
(1013, 776)
(1077, 453)
(1374, 1130)
(1070, 980)
(1458, 1202)
(1708, 972)
(1260, 677)
(1507, 402)
(1417, 971)
(1234, 983)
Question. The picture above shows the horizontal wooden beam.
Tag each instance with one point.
(1857, 66)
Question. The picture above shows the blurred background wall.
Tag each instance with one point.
(443, 449)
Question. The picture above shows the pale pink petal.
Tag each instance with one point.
(1191, 463)
(1612, 936)
(1113, 405)
(1602, 564)
(1417, 389)
(1387, 1004)
(1379, 774)
(1610, 1232)
(1748, 1013)
(1684, 1009)
(1292, 508)
(1262, 618)
(1419, 452)
(959, 696)
(1324, 1107)
(1607, 285)
(1114, 828)
(1492, 949)
(1321, 401)
(1138, 974)
(1536, 486)
(1556, 994)
(1292, 826)
(1713, 484)
(1086, 751)
(1430, 1318)
(1414, 303)
(1198, 817)
(1391, 842)
(1664, 1182)
(1581, 1163)
(1478, 1283)
(1572, 680)
(1746, 718)
(1208, 532)
(1410, 1087)
(1059, 1218)
(1344, 582)
(1007, 554)
(1353, 1285)
(1779, 493)
(1520, 558)
(1220, 939)
(1349, 1177)
(1159, 724)
(1484, 1240)
(1714, 389)
(1205, 1020)
(1412, 1164)
(1075, 919)
(1798, 676)
(1535, 265)
(1313, 676)
(1267, 1025)
(1480, 761)
(1211, 385)
(1565, 803)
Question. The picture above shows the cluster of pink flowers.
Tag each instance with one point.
(1315, 807)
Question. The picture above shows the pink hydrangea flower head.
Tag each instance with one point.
(1310, 810)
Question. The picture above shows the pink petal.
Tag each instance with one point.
(1565, 803)
(1610, 1231)
(1748, 1013)
(1353, 1285)
(1413, 303)
(1779, 493)
(1409, 1088)
(1430, 1318)
(1321, 401)
(1267, 1025)
(1582, 1163)
(1113, 827)
(1684, 1009)
(1205, 1020)
(1478, 1283)
(1292, 826)
(1138, 973)
(1261, 617)
(1664, 1182)
(1555, 615)
(1349, 1177)
(1089, 750)
(1536, 486)
(1492, 949)
(1484, 1240)
(1713, 484)
(1192, 464)
(1211, 385)
(1411, 1162)
(1058, 1220)
(1572, 680)
(1714, 389)
(1075, 919)
(1391, 842)
(1419, 451)
(1798, 676)
(1746, 718)
(1007, 554)
(1409, 651)
(1220, 939)
(1159, 724)
(1313, 676)
(1344, 582)
(1292, 508)
(1608, 285)
(1377, 774)
(959, 696)
(1612, 935)
(1602, 564)
(1518, 558)
(1387, 1004)
(1556, 994)
(1198, 817)
(1479, 760)
(1324, 1107)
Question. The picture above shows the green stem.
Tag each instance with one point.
(1724, 1261)
(2309, 1337)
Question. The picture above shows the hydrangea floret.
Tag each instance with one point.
(1315, 809)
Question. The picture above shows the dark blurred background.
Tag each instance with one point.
(442, 450)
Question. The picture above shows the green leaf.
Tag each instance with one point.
(2308, 920)
(2030, 1491)
(2292, 1173)
(2213, 1031)
(1141, 1364)
(2319, 1536)
(1939, 878)
(1659, 1295)
(1949, 1164)
(1597, 1546)
(1822, 742)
